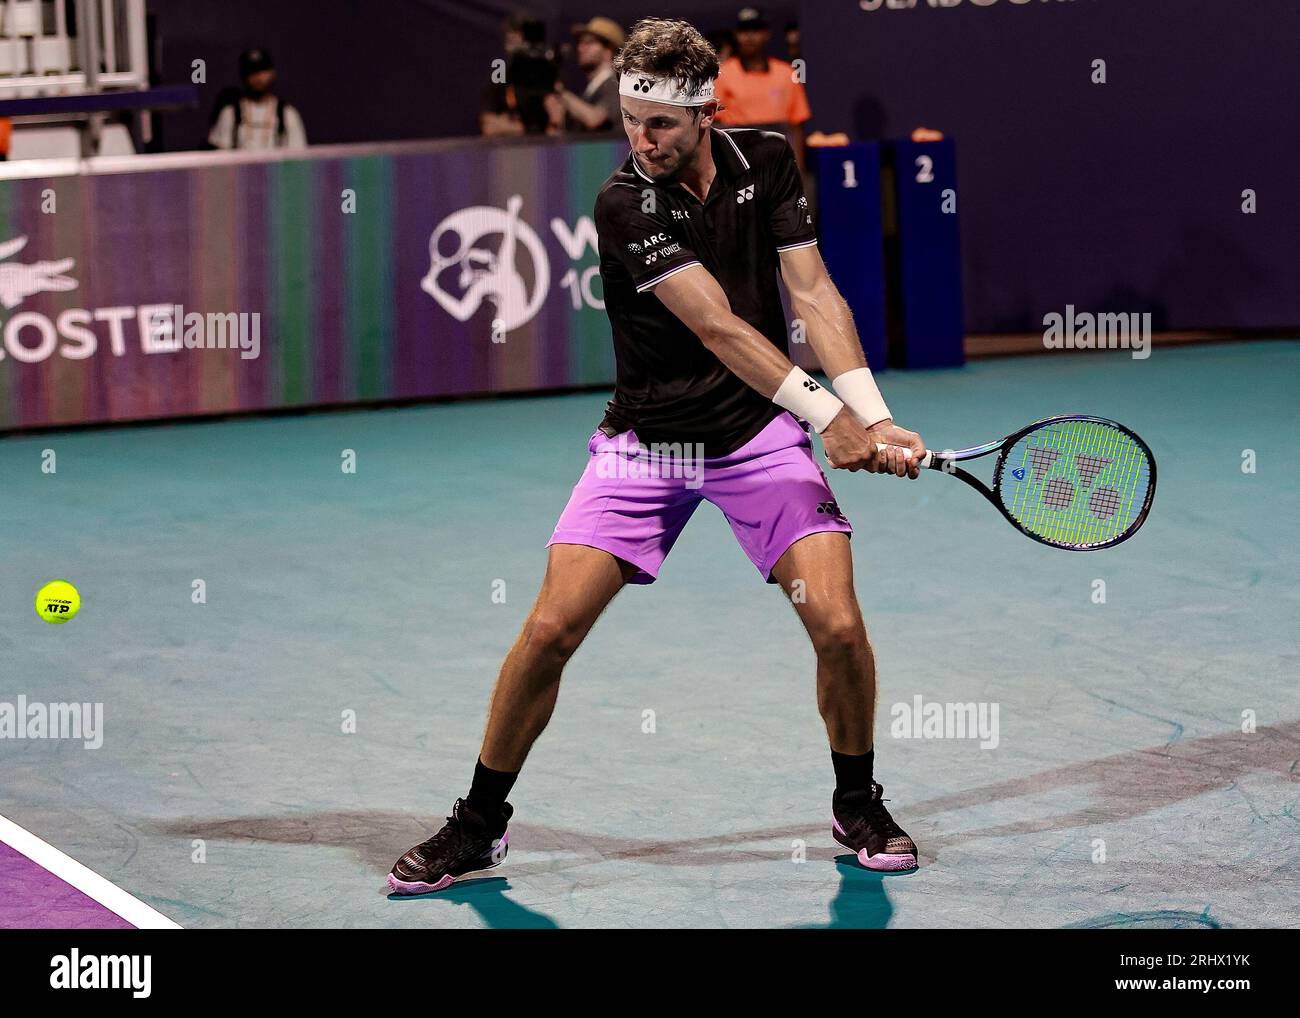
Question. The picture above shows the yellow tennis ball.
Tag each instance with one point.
(57, 602)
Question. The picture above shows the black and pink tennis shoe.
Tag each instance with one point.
(862, 823)
(468, 843)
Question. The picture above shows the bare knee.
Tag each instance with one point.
(551, 635)
(839, 637)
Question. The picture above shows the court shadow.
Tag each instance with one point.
(1120, 787)
(487, 897)
(376, 839)
(860, 903)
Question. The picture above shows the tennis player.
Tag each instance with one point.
(693, 228)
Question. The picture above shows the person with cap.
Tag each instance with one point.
(757, 90)
(254, 117)
(597, 109)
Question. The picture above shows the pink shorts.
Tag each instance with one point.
(633, 501)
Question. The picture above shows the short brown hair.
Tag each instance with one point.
(669, 49)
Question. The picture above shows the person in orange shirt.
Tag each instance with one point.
(757, 90)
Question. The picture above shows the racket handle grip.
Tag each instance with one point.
(926, 460)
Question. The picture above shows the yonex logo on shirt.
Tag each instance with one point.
(744, 194)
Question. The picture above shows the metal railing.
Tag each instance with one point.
(42, 54)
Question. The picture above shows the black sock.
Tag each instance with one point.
(852, 772)
(488, 792)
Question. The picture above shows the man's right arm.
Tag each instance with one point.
(654, 251)
(697, 298)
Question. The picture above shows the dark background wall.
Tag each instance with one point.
(366, 70)
(1124, 196)
(1116, 197)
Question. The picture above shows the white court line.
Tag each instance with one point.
(84, 879)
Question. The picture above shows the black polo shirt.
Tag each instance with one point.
(669, 387)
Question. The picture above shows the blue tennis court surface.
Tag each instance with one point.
(247, 603)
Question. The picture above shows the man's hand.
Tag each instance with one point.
(847, 444)
(893, 460)
(850, 446)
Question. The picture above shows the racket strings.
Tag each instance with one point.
(1076, 484)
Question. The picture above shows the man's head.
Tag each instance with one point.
(752, 33)
(257, 71)
(513, 29)
(666, 71)
(596, 42)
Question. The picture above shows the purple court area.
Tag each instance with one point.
(33, 898)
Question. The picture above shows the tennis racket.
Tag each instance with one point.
(1079, 483)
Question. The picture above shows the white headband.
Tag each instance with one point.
(637, 85)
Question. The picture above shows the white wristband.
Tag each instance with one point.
(858, 389)
(807, 398)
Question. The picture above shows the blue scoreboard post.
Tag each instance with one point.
(929, 256)
(851, 238)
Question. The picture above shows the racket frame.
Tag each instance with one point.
(946, 463)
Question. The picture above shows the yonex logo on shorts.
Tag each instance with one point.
(830, 509)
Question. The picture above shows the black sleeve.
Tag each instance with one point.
(788, 214)
(640, 232)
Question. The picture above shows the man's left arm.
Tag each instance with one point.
(828, 323)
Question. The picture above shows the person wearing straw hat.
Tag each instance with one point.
(597, 108)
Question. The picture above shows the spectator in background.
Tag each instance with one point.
(723, 42)
(757, 90)
(499, 112)
(598, 108)
(254, 117)
(793, 41)
(525, 103)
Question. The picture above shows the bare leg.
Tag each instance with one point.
(579, 583)
(817, 575)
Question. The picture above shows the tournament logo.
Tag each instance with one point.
(18, 281)
(30, 336)
(485, 271)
